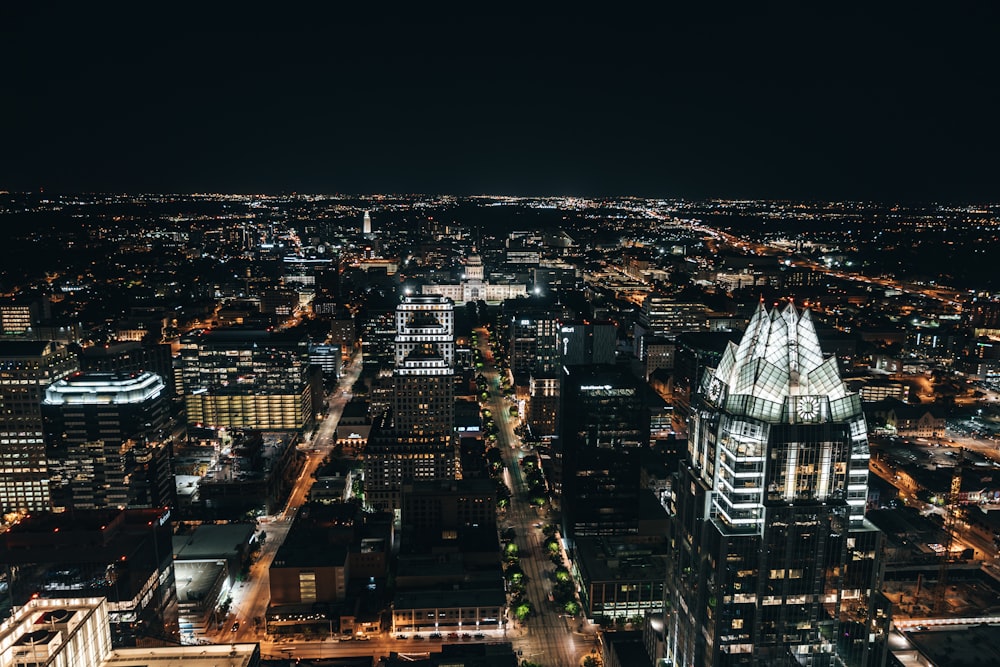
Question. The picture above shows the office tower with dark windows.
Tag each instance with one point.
(26, 369)
(249, 378)
(587, 342)
(774, 562)
(535, 358)
(416, 439)
(603, 428)
(108, 441)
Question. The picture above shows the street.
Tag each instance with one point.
(548, 637)
(251, 597)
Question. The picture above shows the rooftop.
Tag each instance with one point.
(213, 541)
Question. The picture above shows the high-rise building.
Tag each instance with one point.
(774, 562)
(543, 404)
(664, 316)
(130, 357)
(26, 369)
(19, 316)
(416, 441)
(366, 224)
(586, 342)
(533, 337)
(603, 428)
(108, 441)
(248, 378)
(424, 398)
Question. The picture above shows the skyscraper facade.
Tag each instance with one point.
(424, 399)
(416, 439)
(533, 337)
(774, 561)
(586, 342)
(26, 369)
(603, 428)
(108, 441)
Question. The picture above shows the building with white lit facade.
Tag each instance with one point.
(74, 632)
(773, 561)
(474, 287)
(416, 441)
(424, 397)
(107, 441)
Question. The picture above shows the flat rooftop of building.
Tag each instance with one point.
(628, 647)
(29, 621)
(248, 334)
(467, 540)
(962, 645)
(450, 486)
(425, 599)
(45, 522)
(443, 565)
(302, 551)
(712, 341)
(605, 559)
(195, 579)
(490, 654)
(213, 541)
(86, 521)
(23, 348)
(206, 655)
(355, 409)
(110, 350)
(903, 521)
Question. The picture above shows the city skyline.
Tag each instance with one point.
(575, 337)
(543, 428)
(673, 103)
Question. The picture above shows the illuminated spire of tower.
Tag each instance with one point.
(366, 226)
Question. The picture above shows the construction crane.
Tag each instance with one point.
(950, 504)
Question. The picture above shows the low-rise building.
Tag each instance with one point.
(895, 417)
(619, 580)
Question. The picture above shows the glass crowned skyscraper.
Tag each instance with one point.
(775, 563)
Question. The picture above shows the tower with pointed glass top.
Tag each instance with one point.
(774, 562)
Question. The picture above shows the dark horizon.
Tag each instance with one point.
(803, 104)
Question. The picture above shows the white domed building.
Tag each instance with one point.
(473, 286)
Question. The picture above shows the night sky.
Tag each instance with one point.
(761, 102)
